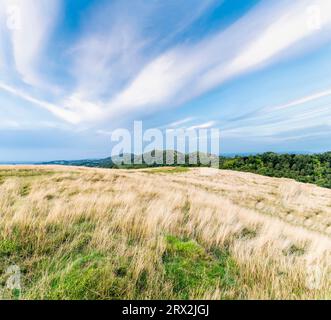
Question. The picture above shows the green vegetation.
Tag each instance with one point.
(190, 267)
(61, 265)
(80, 277)
(65, 266)
(314, 169)
(77, 235)
(304, 168)
(23, 173)
(168, 170)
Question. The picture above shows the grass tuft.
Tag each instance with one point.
(190, 267)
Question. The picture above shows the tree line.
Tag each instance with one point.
(314, 168)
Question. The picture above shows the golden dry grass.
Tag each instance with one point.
(81, 233)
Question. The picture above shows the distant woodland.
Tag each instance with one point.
(314, 168)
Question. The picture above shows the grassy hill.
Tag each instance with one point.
(308, 168)
(163, 233)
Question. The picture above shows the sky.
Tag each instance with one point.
(72, 72)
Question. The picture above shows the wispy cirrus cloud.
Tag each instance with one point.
(312, 97)
(96, 65)
(204, 125)
(284, 118)
(110, 50)
(187, 71)
(119, 65)
(64, 114)
(179, 122)
(29, 24)
(109, 55)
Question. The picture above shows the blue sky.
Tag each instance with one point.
(73, 71)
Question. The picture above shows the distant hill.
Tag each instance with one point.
(102, 163)
(309, 168)
(162, 157)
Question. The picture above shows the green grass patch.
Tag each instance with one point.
(58, 262)
(80, 278)
(25, 190)
(247, 233)
(294, 250)
(191, 267)
(8, 247)
(168, 170)
(24, 172)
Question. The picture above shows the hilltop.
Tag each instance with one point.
(309, 168)
(163, 233)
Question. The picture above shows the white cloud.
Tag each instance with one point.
(107, 58)
(184, 72)
(102, 61)
(36, 20)
(67, 115)
(303, 100)
(113, 76)
(82, 109)
(104, 132)
(271, 112)
(9, 124)
(291, 26)
(179, 122)
(280, 119)
(205, 125)
(109, 55)
(155, 84)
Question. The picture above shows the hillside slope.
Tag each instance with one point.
(80, 233)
